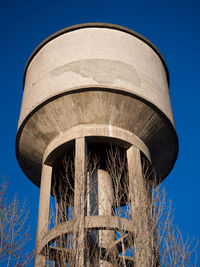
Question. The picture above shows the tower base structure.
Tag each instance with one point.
(96, 235)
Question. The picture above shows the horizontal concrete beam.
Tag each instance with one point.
(91, 222)
(99, 130)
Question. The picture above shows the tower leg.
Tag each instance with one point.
(79, 202)
(43, 214)
(141, 204)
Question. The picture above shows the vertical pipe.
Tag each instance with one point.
(105, 203)
(99, 203)
(79, 202)
(141, 210)
(43, 214)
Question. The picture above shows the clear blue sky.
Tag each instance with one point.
(172, 25)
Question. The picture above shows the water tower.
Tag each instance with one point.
(87, 88)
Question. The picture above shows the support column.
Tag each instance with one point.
(105, 204)
(43, 214)
(79, 202)
(141, 204)
(99, 203)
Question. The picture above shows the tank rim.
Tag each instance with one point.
(95, 25)
(166, 120)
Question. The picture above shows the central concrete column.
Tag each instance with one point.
(141, 204)
(105, 203)
(43, 214)
(99, 203)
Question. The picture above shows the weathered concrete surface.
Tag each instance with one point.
(88, 57)
(113, 134)
(96, 108)
(123, 81)
(97, 81)
(91, 222)
(141, 205)
(105, 204)
(79, 202)
(43, 214)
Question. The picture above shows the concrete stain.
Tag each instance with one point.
(100, 70)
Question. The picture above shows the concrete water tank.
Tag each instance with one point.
(101, 82)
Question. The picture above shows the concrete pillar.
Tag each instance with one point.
(141, 210)
(99, 203)
(79, 202)
(105, 203)
(43, 214)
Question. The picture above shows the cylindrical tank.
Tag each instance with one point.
(100, 74)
